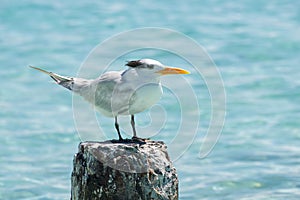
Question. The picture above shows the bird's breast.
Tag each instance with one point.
(144, 97)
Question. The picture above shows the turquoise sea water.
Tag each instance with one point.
(255, 45)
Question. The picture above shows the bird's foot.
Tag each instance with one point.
(134, 139)
(139, 140)
(121, 140)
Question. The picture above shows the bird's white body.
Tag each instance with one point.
(121, 93)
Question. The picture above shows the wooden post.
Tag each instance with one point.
(128, 170)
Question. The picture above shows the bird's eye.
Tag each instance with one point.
(150, 66)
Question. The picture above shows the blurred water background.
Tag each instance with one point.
(255, 45)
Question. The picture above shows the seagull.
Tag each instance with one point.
(126, 92)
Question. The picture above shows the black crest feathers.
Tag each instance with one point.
(134, 63)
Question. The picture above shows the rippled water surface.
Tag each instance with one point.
(255, 45)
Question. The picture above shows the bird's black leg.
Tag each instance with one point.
(135, 138)
(117, 127)
(133, 126)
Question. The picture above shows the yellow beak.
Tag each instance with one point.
(172, 70)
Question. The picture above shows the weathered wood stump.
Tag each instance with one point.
(129, 170)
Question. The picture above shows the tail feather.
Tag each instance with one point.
(61, 80)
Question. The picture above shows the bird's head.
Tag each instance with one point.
(154, 68)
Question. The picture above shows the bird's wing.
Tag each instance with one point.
(109, 76)
(104, 89)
